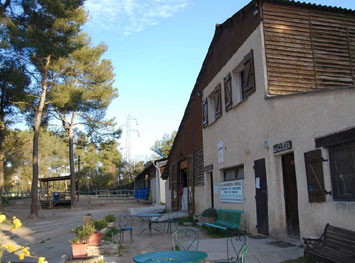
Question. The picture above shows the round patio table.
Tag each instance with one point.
(147, 222)
(171, 256)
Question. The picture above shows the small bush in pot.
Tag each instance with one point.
(80, 243)
(110, 218)
(100, 224)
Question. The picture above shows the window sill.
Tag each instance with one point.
(238, 104)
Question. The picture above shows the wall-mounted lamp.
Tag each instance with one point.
(199, 93)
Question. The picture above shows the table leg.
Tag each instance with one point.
(143, 226)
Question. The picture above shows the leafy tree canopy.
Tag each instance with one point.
(161, 148)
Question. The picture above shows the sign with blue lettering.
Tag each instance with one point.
(232, 191)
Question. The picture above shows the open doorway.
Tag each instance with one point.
(182, 191)
(291, 195)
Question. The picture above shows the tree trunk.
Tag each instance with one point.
(71, 161)
(38, 119)
(2, 155)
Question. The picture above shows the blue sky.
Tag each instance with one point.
(157, 48)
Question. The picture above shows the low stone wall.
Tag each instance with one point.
(93, 259)
(106, 248)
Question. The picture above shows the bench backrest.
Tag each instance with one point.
(340, 239)
(229, 217)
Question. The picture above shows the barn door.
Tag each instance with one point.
(174, 187)
(190, 186)
(261, 200)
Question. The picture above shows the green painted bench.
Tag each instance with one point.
(227, 219)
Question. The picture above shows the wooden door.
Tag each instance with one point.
(262, 214)
(211, 189)
(174, 187)
(190, 186)
(291, 195)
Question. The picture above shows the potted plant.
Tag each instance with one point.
(101, 225)
(80, 243)
(87, 219)
(111, 219)
(96, 236)
(210, 215)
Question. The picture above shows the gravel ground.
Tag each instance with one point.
(49, 235)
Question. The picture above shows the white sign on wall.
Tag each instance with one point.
(220, 152)
(232, 191)
(216, 189)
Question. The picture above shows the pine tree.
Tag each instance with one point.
(82, 90)
(44, 32)
(13, 83)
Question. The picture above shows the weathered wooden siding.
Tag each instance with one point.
(198, 168)
(307, 48)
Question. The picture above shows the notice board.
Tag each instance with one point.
(232, 191)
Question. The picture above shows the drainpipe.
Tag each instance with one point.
(157, 184)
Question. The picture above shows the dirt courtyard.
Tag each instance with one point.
(49, 235)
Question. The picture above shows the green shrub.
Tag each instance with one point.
(82, 233)
(110, 218)
(110, 233)
(210, 212)
(100, 224)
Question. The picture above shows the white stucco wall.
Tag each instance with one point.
(162, 191)
(153, 189)
(200, 200)
(299, 118)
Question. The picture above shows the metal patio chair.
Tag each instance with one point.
(241, 253)
(169, 221)
(185, 239)
(125, 224)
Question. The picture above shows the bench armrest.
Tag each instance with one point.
(311, 242)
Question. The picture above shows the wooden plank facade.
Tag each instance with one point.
(307, 48)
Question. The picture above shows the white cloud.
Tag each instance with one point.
(129, 16)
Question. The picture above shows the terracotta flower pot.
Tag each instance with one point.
(95, 239)
(79, 250)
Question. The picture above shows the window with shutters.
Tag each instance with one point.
(248, 78)
(342, 169)
(228, 101)
(217, 102)
(205, 112)
(243, 80)
(314, 172)
(212, 106)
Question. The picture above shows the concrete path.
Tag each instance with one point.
(264, 250)
(259, 250)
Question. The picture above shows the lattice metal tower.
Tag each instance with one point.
(129, 130)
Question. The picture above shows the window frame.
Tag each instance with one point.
(235, 168)
(333, 151)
